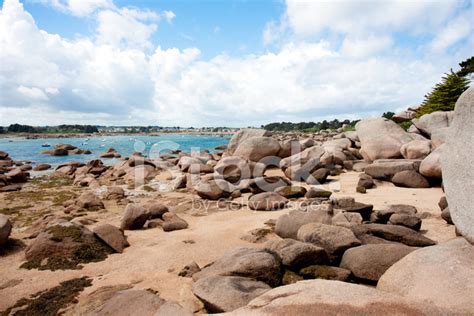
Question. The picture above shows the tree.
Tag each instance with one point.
(444, 95)
(467, 67)
(388, 115)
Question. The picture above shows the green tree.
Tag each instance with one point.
(467, 67)
(388, 115)
(444, 95)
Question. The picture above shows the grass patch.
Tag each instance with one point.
(52, 301)
(51, 182)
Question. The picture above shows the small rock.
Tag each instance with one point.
(296, 254)
(135, 217)
(5, 229)
(189, 270)
(173, 222)
(112, 236)
(267, 201)
(410, 179)
(410, 221)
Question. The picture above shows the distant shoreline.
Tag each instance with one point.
(82, 135)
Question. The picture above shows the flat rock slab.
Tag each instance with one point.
(296, 254)
(395, 233)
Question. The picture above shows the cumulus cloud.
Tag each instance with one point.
(79, 7)
(119, 76)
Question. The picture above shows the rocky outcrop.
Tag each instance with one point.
(433, 121)
(323, 297)
(242, 135)
(369, 262)
(258, 149)
(457, 176)
(381, 138)
(441, 275)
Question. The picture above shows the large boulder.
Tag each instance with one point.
(65, 245)
(287, 225)
(301, 158)
(381, 138)
(267, 201)
(296, 254)
(369, 262)
(259, 264)
(214, 189)
(135, 217)
(385, 169)
(325, 297)
(458, 171)
(410, 179)
(5, 229)
(233, 169)
(334, 239)
(416, 149)
(258, 148)
(89, 200)
(441, 275)
(433, 121)
(242, 135)
(226, 293)
(431, 165)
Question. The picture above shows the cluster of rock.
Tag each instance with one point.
(151, 215)
(110, 153)
(66, 149)
(342, 240)
(12, 173)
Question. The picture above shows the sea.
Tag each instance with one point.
(149, 146)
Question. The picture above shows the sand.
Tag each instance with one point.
(155, 257)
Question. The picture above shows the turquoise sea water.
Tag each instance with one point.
(150, 146)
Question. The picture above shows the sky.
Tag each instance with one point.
(233, 63)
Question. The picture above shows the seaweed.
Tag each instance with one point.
(51, 301)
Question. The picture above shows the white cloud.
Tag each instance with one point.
(33, 93)
(169, 15)
(362, 16)
(79, 7)
(117, 76)
(126, 27)
(459, 28)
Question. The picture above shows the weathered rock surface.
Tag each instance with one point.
(457, 176)
(410, 179)
(369, 262)
(442, 275)
(252, 263)
(267, 201)
(334, 239)
(433, 121)
(89, 200)
(214, 189)
(396, 233)
(325, 272)
(381, 138)
(173, 222)
(416, 149)
(135, 217)
(385, 169)
(410, 221)
(112, 236)
(296, 254)
(324, 297)
(257, 148)
(431, 165)
(5, 229)
(287, 225)
(242, 135)
(227, 293)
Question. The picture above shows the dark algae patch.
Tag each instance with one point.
(50, 302)
(78, 248)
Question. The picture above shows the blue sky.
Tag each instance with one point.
(214, 63)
